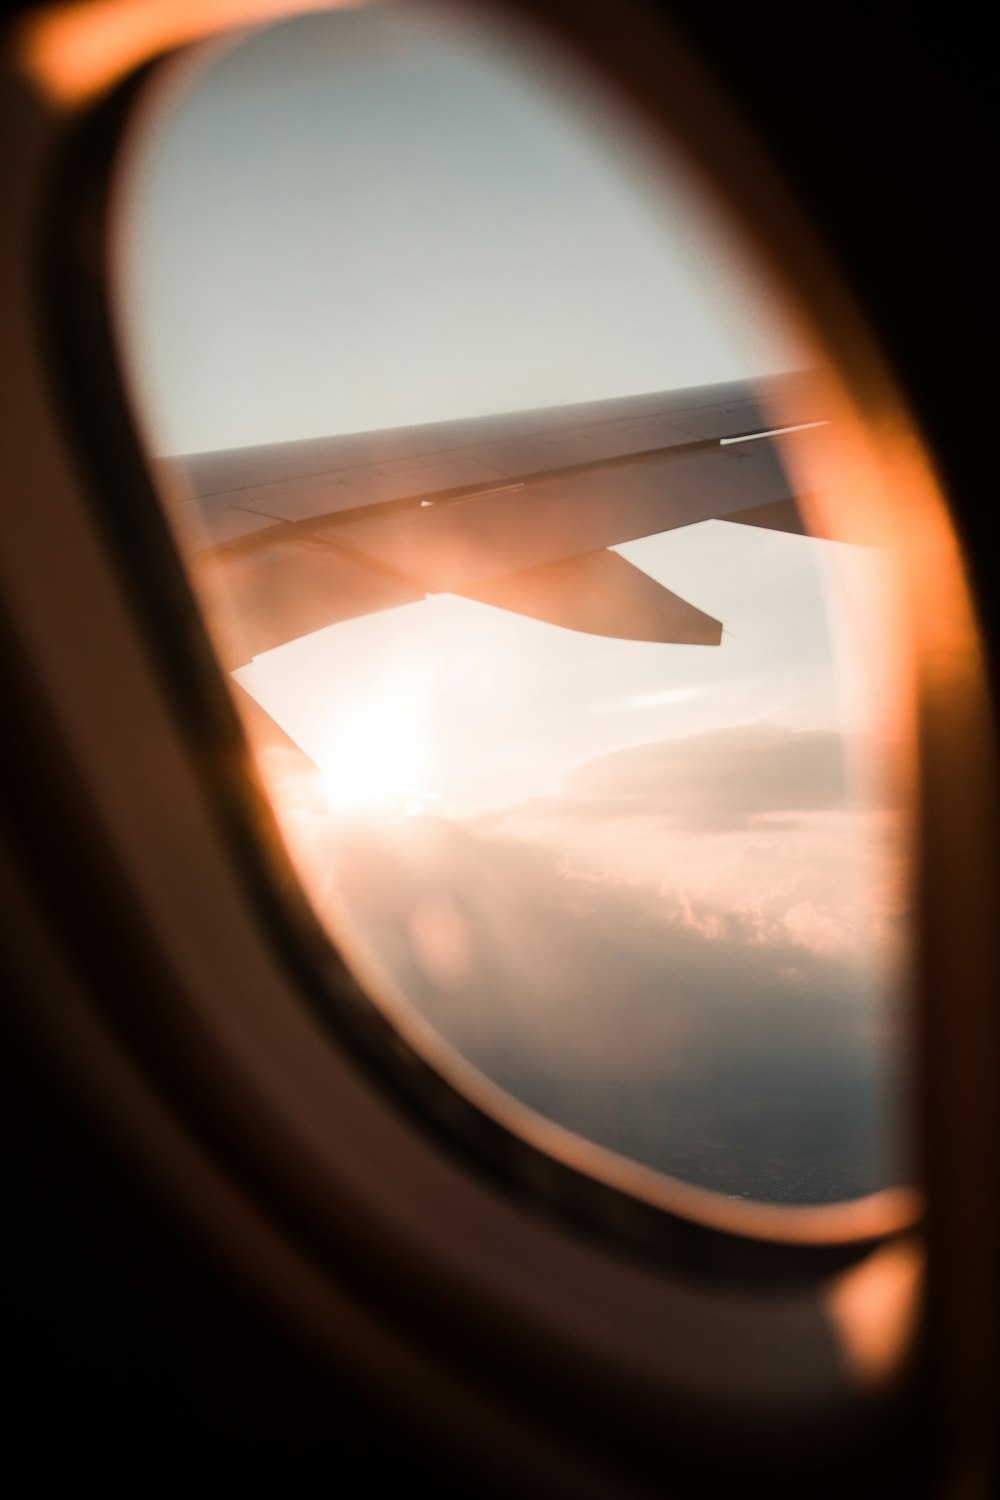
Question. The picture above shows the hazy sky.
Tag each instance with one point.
(376, 218)
(366, 220)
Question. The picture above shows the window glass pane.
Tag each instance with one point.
(575, 703)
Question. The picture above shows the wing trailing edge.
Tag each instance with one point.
(599, 593)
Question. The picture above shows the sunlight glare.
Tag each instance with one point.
(376, 753)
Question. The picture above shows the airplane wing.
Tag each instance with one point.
(517, 510)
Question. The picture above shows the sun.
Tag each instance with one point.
(375, 755)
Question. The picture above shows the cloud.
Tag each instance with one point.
(758, 825)
(662, 698)
(707, 1040)
(723, 778)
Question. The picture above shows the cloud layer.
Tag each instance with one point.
(724, 778)
(709, 996)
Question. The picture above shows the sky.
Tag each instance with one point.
(655, 892)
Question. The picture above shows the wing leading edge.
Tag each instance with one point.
(517, 511)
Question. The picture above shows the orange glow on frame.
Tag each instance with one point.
(873, 1310)
(74, 52)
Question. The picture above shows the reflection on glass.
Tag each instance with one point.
(584, 775)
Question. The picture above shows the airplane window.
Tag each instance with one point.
(533, 539)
